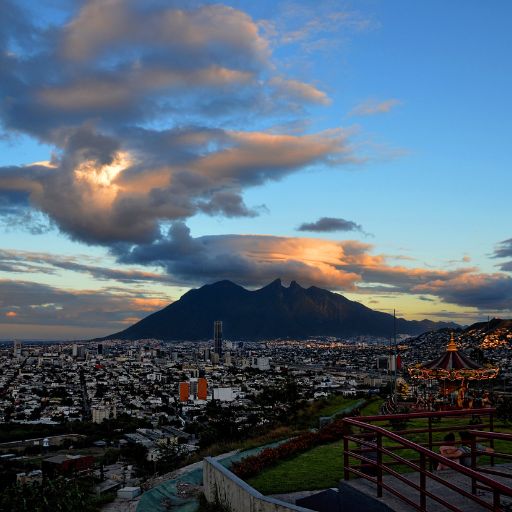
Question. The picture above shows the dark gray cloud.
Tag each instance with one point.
(504, 250)
(330, 224)
(101, 189)
(346, 266)
(38, 262)
(489, 292)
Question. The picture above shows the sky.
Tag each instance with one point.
(150, 147)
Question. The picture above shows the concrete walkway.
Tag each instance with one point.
(436, 488)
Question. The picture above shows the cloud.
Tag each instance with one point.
(134, 99)
(39, 304)
(299, 90)
(348, 265)
(13, 261)
(485, 291)
(330, 224)
(321, 27)
(105, 190)
(372, 107)
(504, 250)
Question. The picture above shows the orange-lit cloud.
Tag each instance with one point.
(350, 266)
(11, 314)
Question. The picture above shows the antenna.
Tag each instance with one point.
(396, 349)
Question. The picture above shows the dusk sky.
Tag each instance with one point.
(149, 147)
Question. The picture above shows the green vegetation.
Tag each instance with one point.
(59, 495)
(372, 408)
(322, 466)
(318, 468)
(308, 416)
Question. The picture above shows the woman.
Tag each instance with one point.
(449, 450)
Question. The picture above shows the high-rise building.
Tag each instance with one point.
(217, 337)
(192, 387)
(100, 349)
(184, 391)
(17, 349)
(202, 388)
(75, 350)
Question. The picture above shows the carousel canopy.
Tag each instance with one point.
(453, 365)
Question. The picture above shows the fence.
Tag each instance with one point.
(374, 450)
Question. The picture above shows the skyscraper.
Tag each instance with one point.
(17, 346)
(217, 337)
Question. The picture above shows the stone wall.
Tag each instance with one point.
(223, 486)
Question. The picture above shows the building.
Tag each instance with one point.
(192, 388)
(67, 465)
(184, 391)
(35, 476)
(100, 349)
(223, 394)
(103, 412)
(217, 337)
(16, 350)
(383, 363)
(202, 388)
(261, 363)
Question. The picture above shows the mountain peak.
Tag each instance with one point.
(275, 284)
(270, 312)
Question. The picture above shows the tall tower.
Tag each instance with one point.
(17, 346)
(217, 337)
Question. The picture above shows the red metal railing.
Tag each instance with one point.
(476, 451)
(373, 455)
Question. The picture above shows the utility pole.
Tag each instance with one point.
(396, 353)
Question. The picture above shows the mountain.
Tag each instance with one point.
(273, 311)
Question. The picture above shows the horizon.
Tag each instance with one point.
(278, 279)
(241, 141)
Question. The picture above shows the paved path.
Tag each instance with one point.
(435, 488)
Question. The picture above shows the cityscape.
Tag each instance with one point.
(255, 256)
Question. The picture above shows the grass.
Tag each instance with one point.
(309, 415)
(322, 466)
(318, 468)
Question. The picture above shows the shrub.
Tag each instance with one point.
(251, 466)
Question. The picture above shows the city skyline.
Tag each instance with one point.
(151, 147)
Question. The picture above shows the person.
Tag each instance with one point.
(465, 448)
(449, 450)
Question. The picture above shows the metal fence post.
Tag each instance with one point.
(491, 429)
(423, 482)
(346, 461)
(379, 465)
(473, 463)
(430, 440)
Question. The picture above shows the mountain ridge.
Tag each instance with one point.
(273, 311)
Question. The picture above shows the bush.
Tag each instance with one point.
(251, 466)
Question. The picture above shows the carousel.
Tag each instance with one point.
(453, 371)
